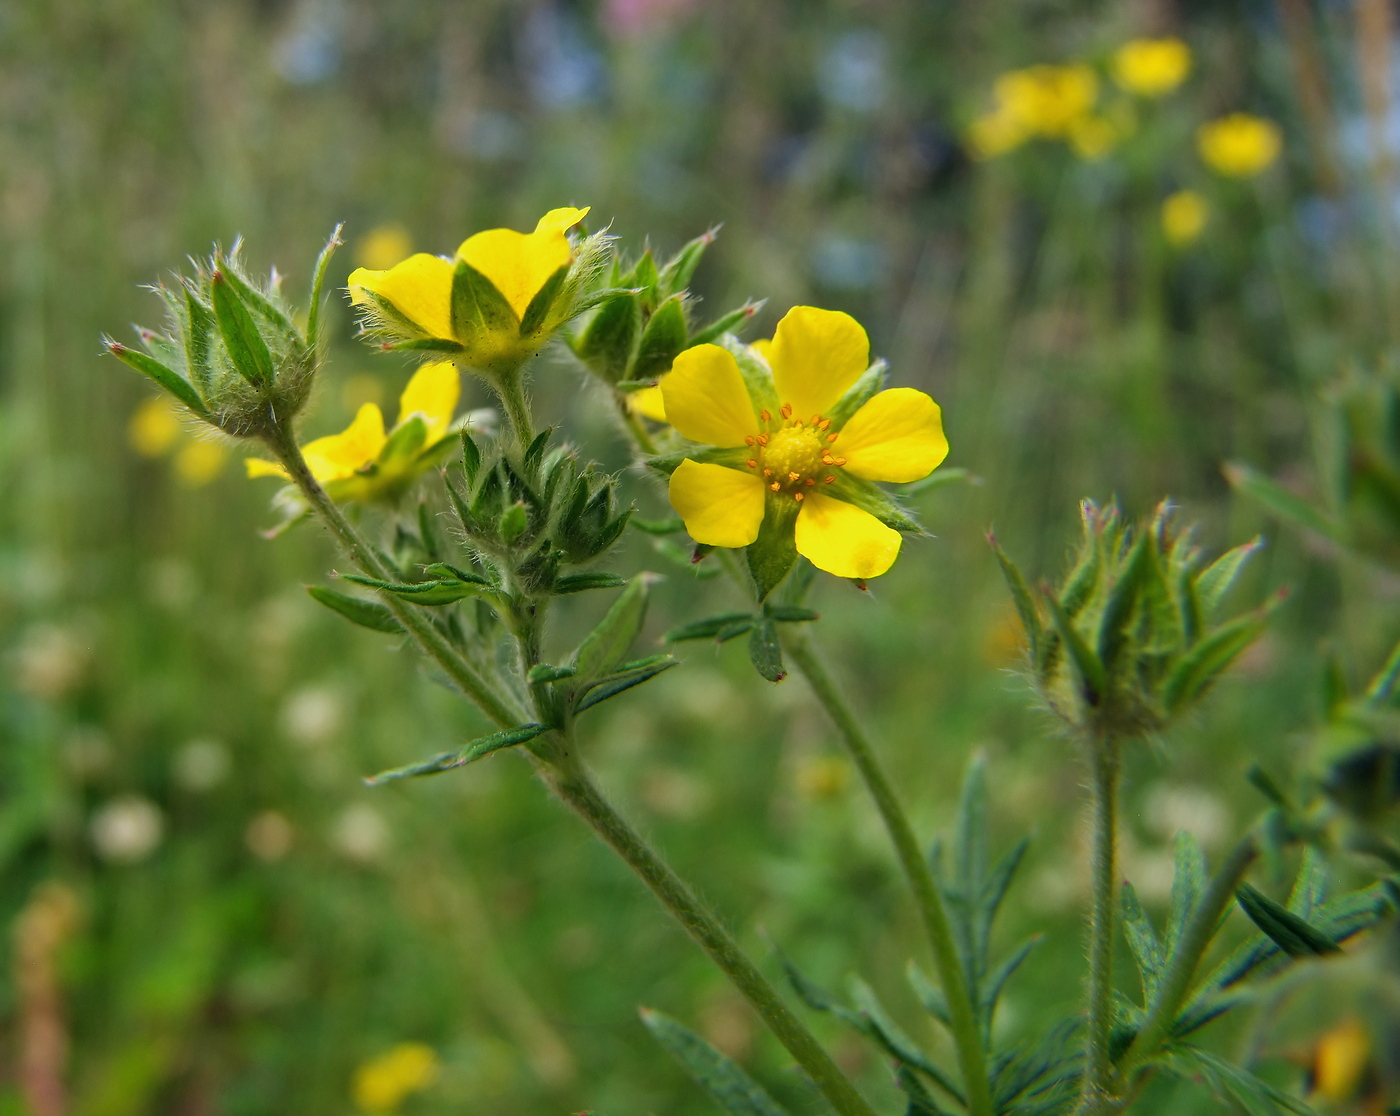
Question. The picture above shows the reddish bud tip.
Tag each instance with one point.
(217, 277)
(861, 585)
(116, 348)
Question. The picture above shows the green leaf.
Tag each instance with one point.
(663, 337)
(868, 497)
(543, 302)
(592, 579)
(921, 1102)
(858, 394)
(671, 526)
(1202, 666)
(773, 553)
(790, 614)
(765, 652)
(170, 380)
(1021, 597)
(676, 275)
(709, 628)
(543, 672)
(1382, 687)
(318, 282)
(606, 645)
(477, 306)
(453, 573)
(734, 1090)
(200, 328)
(1217, 578)
(1189, 882)
(404, 443)
(994, 982)
(929, 994)
(1144, 943)
(1283, 503)
(1230, 1082)
(727, 323)
(444, 592)
(627, 676)
(646, 276)
(259, 303)
(474, 751)
(610, 338)
(426, 345)
(368, 614)
(1295, 936)
(884, 1030)
(471, 458)
(246, 347)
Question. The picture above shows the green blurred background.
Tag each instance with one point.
(182, 731)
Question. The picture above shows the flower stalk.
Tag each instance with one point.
(1106, 761)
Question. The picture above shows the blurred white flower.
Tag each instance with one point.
(361, 833)
(52, 661)
(269, 836)
(1171, 809)
(313, 714)
(127, 829)
(202, 765)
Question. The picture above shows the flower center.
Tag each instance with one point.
(793, 455)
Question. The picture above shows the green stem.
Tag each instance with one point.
(1098, 1077)
(1195, 940)
(570, 781)
(635, 427)
(510, 386)
(962, 1016)
(433, 643)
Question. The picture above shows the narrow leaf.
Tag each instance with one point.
(593, 579)
(1217, 578)
(421, 592)
(474, 751)
(318, 282)
(608, 643)
(1091, 672)
(939, 478)
(613, 684)
(710, 627)
(1282, 502)
(1021, 597)
(765, 652)
(663, 337)
(1293, 935)
(789, 614)
(368, 614)
(1200, 667)
(1143, 940)
(167, 378)
(672, 526)
(676, 275)
(1189, 882)
(246, 347)
(734, 1090)
(726, 323)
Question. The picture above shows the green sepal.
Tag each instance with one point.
(1382, 687)
(663, 338)
(668, 463)
(858, 394)
(477, 306)
(544, 672)
(868, 497)
(383, 318)
(246, 348)
(367, 614)
(773, 553)
(318, 283)
(453, 573)
(680, 269)
(171, 381)
(425, 345)
(1022, 598)
(606, 645)
(1118, 610)
(1283, 503)
(609, 339)
(477, 749)
(1232, 1084)
(726, 323)
(758, 378)
(687, 559)
(790, 614)
(765, 652)
(471, 457)
(1199, 668)
(257, 302)
(1217, 578)
(939, 478)
(545, 298)
(593, 579)
(669, 526)
(444, 592)
(733, 1089)
(513, 522)
(710, 628)
(1292, 934)
(624, 678)
(1091, 672)
(405, 442)
(645, 277)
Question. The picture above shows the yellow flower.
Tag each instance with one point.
(382, 1083)
(1151, 67)
(200, 461)
(1340, 1061)
(383, 247)
(154, 427)
(1239, 145)
(1047, 100)
(649, 401)
(362, 462)
(1092, 137)
(995, 133)
(1184, 216)
(797, 444)
(495, 303)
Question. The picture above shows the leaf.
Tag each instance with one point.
(430, 593)
(593, 579)
(676, 275)
(474, 751)
(789, 614)
(443, 570)
(318, 282)
(921, 1102)
(994, 983)
(1282, 502)
(879, 1026)
(543, 672)
(1189, 882)
(765, 652)
(477, 306)
(1230, 1082)
(773, 553)
(1200, 667)
(1091, 672)
(167, 378)
(609, 339)
(709, 628)
(671, 526)
(539, 307)
(928, 993)
(368, 614)
(1309, 885)
(1382, 687)
(611, 685)
(246, 347)
(1021, 597)
(1143, 941)
(939, 478)
(1217, 578)
(607, 644)
(726, 323)
(663, 337)
(1119, 609)
(734, 1090)
(1294, 935)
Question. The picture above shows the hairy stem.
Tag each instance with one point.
(1195, 940)
(570, 781)
(635, 427)
(966, 1034)
(1098, 1076)
(511, 388)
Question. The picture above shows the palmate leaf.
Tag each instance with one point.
(735, 1091)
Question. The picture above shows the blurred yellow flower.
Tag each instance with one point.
(362, 462)
(383, 247)
(1151, 67)
(1340, 1061)
(1041, 100)
(1184, 216)
(995, 133)
(798, 459)
(154, 427)
(382, 1083)
(1239, 145)
(1092, 137)
(200, 461)
(823, 777)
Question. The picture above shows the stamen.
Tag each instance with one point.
(763, 439)
(840, 461)
(797, 425)
(797, 496)
(767, 472)
(750, 440)
(824, 423)
(752, 463)
(816, 419)
(794, 476)
(775, 486)
(831, 437)
(827, 459)
(828, 480)
(786, 411)
(810, 481)
(765, 416)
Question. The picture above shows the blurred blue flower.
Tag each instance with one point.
(562, 69)
(848, 263)
(308, 51)
(854, 71)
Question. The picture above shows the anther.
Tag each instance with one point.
(840, 461)
(797, 496)
(763, 439)
(767, 472)
(816, 419)
(752, 463)
(786, 412)
(827, 459)
(750, 440)
(794, 476)
(775, 486)
(810, 481)
(765, 416)
(831, 437)
(824, 423)
(828, 480)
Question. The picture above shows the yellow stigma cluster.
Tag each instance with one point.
(794, 455)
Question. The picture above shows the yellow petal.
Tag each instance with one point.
(721, 507)
(897, 436)
(432, 394)
(259, 467)
(705, 397)
(649, 402)
(816, 356)
(842, 539)
(340, 455)
(520, 263)
(420, 289)
(763, 347)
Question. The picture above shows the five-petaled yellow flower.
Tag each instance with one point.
(1239, 145)
(795, 456)
(1042, 100)
(494, 302)
(1151, 67)
(362, 462)
(382, 1083)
